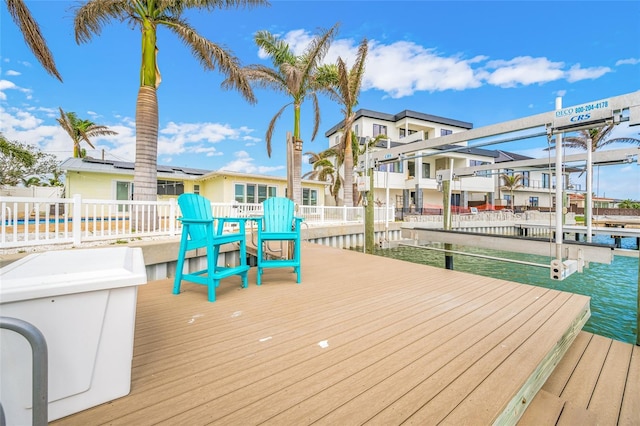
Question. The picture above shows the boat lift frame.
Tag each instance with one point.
(614, 110)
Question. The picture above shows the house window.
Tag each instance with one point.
(426, 170)
(404, 132)
(545, 180)
(253, 193)
(533, 201)
(445, 132)
(170, 187)
(507, 198)
(508, 172)
(395, 167)
(124, 191)
(379, 129)
(355, 129)
(309, 197)
(411, 168)
(239, 193)
(525, 179)
(474, 163)
(196, 189)
(262, 193)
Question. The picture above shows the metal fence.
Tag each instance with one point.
(28, 221)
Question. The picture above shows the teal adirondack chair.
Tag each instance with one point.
(278, 223)
(201, 230)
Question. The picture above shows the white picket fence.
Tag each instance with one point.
(29, 221)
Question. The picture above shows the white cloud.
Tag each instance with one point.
(13, 73)
(403, 68)
(245, 164)
(522, 70)
(576, 73)
(628, 61)
(9, 85)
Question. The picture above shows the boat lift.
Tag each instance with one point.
(614, 110)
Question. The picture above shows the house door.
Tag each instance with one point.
(124, 191)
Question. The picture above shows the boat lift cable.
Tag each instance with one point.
(483, 256)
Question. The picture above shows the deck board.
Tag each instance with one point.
(360, 340)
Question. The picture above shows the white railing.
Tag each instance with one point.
(28, 221)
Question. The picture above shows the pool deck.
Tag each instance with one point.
(370, 340)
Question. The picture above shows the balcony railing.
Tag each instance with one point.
(27, 221)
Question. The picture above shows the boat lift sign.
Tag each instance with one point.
(581, 115)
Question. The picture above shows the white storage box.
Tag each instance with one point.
(84, 303)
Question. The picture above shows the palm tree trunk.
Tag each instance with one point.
(348, 169)
(145, 176)
(297, 173)
(296, 180)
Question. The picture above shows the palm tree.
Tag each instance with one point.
(32, 36)
(296, 77)
(346, 90)
(148, 15)
(81, 130)
(324, 170)
(32, 181)
(510, 183)
(599, 138)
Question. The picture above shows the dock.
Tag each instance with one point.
(372, 340)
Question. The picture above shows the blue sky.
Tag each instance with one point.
(481, 62)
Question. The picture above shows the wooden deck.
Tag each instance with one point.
(364, 340)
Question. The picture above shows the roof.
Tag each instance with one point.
(399, 116)
(510, 156)
(88, 164)
(94, 165)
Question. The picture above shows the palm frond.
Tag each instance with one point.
(91, 16)
(318, 48)
(272, 125)
(211, 55)
(32, 36)
(277, 49)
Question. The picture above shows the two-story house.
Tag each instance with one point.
(411, 182)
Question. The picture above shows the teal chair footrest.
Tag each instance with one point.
(278, 224)
(201, 230)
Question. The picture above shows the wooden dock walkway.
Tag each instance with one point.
(366, 339)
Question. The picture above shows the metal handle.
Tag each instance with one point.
(40, 368)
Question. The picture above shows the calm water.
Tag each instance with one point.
(613, 288)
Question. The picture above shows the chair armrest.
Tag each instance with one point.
(196, 221)
(239, 220)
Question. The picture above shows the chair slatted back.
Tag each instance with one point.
(278, 214)
(194, 206)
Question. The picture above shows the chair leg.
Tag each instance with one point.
(179, 272)
(212, 265)
(298, 251)
(259, 254)
(211, 291)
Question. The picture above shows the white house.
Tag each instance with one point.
(411, 182)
